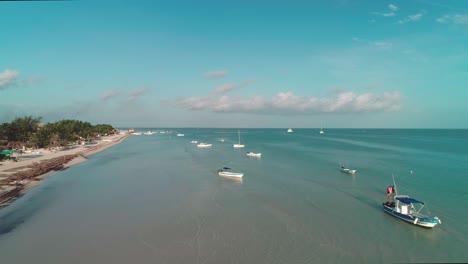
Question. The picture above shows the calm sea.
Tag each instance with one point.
(157, 199)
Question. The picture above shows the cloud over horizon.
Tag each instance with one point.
(230, 87)
(109, 94)
(8, 78)
(289, 103)
(137, 93)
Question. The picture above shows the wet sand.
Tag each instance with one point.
(32, 168)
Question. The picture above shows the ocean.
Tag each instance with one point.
(158, 199)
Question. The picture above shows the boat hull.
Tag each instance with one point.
(348, 171)
(424, 222)
(231, 174)
(238, 146)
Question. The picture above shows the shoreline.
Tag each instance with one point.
(16, 178)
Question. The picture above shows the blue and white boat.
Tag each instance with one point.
(409, 210)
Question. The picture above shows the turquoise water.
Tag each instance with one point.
(157, 199)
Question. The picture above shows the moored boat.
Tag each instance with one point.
(226, 173)
(238, 145)
(409, 210)
(347, 170)
(253, 154)
(204, 145)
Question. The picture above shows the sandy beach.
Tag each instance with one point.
(16, 177)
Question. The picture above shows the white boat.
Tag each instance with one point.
(194, 142)
(238, 145)
(204, 145)
(221, 140)
(149, 133)
(409, 210)
(321, 130)
(290, 130)
(347, 170)
(253, 154)
(180, 135)
(226, 173)
(136, 133)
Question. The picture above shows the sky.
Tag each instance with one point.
(247, 64)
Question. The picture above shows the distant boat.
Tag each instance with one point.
(238, 145)
(290, 130)
(409, 210)
(225, 173)
(321, 130)
(222, 140)
(252, 154)
(347, 170)
(204, 145)
(136, 133)
(194, 142)
(180, 135)
(149, 133)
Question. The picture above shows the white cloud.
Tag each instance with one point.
(215, 74)
(109, 94)
(393, 7)
(455, 19)
(229, 87)
(411, 18)
(381, 44)
(289, 103)
(8, 78)
(135, 94)
(389, 14)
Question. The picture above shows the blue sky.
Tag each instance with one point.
(383, 64)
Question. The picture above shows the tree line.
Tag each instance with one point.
(30, 132)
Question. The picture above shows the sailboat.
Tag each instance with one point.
(321, 130)
(290, 130)
(238, 145)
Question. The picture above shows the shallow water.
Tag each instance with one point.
(157, 199)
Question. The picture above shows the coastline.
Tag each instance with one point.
(16, 178)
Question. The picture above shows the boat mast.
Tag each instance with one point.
(394, 184)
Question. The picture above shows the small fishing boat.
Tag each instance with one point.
(180, 135)
(253, 154)
(409, 210)
(226, 173)
(204, 145)
(347, 170)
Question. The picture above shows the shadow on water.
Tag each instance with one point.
(12, 220)
(13, 215)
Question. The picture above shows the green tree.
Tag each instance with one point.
(21, 128)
